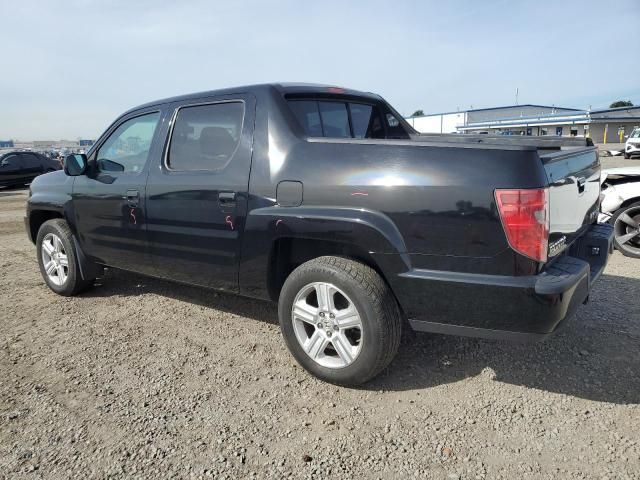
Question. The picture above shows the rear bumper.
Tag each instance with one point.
(524, 308)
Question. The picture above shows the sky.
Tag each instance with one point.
(69, 68)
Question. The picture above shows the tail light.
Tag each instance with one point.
(525, 219)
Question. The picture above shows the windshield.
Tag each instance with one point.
(635, 133)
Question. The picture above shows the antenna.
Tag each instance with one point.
(516, 95)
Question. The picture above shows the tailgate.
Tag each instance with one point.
(574, 192)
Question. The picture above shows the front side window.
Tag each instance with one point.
(205, 137)
(635, 133)
(10, 161)
(127, 148)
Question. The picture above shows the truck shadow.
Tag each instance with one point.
(595, 356)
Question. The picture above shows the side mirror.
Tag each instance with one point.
(75, 164)
(106, 165)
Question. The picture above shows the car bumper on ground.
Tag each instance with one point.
(526, 308)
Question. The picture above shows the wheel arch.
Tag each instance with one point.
(37, 218)
(287, 253)
(278, 239)
(628, 202)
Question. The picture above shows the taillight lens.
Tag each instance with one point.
(525, 219)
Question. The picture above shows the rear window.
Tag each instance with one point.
(335, 119)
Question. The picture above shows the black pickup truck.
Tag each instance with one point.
(325, 200)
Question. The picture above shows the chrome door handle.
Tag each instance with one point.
(132, 198)
(227, 199)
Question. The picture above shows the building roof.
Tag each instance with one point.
(568, 116)
(503, 107)
(617, 109)
(522, 105)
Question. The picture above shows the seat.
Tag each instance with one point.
(216, 146)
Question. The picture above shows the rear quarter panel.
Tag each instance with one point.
(426, 205)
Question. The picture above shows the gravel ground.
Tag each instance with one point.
(618, 160)
(139, 378)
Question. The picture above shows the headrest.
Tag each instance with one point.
(216, 141)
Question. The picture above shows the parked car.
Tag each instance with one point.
(326, 201)
(632, 145)
(621, 207)
(19, 168)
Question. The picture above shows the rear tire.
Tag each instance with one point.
(57, 259)
(350, 335)
(625, 223)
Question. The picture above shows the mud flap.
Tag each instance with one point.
(88, 269)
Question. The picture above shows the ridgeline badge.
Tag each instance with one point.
(557, 246)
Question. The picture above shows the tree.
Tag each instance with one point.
(621, 103)
(418, 113)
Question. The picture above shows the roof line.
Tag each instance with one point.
(501, 108)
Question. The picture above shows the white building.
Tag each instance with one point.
(609, 125)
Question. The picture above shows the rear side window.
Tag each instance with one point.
(335, 119)
(366, 121)
(10, 161)
(205, 137)
(306, 111)
(394, 129)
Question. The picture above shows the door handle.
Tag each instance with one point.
(132, 198)
(227, 199)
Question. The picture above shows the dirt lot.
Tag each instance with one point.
(142, 378)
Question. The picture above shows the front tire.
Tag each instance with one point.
(57, 259)
(340, 320)
(627, 156)
(626, 229)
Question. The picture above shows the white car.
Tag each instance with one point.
(620, 207)
(632, 147)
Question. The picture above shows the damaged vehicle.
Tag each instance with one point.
(620, 206)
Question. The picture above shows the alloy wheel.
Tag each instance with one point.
(54, 259)
(627, 230)
(327, 325)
